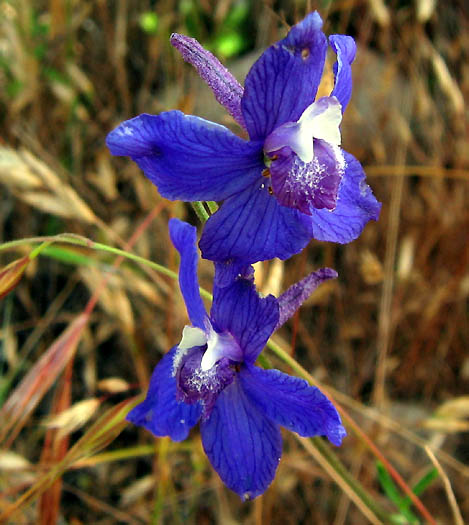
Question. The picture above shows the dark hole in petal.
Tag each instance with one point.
(156, 151)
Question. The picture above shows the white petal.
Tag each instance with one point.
(192, 336)
(302, 143)
(213, 353)
(321, 120)
(218, 346)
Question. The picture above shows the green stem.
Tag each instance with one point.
(115, 455)
(326, 451)
(200, 211)
(212, 206)
(161, 488)
(22, 242)
(78, 240)
(34, 253)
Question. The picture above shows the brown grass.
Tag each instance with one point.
(390, 336)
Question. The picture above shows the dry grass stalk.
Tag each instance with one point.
(39, 379)
(458, 520)
(67, 86)
(54, 449)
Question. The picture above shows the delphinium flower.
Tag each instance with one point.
(291, 181)
(210, 376)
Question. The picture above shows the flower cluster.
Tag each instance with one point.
(288, 183)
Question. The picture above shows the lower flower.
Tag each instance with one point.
(211, 377)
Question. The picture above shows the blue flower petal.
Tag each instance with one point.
(252, 226)
(345, 48)
(243, 446)
(292, 403)
(284, 80)
(184, 238)
(226, 272)
(249, 318)
(186, 157)
(160, 413)
(356, 205)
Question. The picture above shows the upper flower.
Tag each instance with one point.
(211, 376)
(291, 181)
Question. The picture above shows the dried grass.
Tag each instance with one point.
(391, 334)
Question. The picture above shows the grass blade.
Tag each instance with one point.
(54, 449)
(101, 433)
(39, 379)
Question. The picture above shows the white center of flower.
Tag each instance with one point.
(214, 351)
(192, 336)
(320, 120)
(218, 346)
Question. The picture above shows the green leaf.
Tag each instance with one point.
(388, 485)
(69, 256)
(422, 484)
(392, 492)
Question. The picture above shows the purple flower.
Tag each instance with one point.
(211, 376)
(291, 181)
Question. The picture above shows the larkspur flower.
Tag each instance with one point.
(291, 181)
(210, 376)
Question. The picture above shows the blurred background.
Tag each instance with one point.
(389, 336)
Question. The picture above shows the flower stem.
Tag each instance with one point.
(200, 211)
(212, 206)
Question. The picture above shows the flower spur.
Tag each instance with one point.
(211, 376)
(291, 181)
